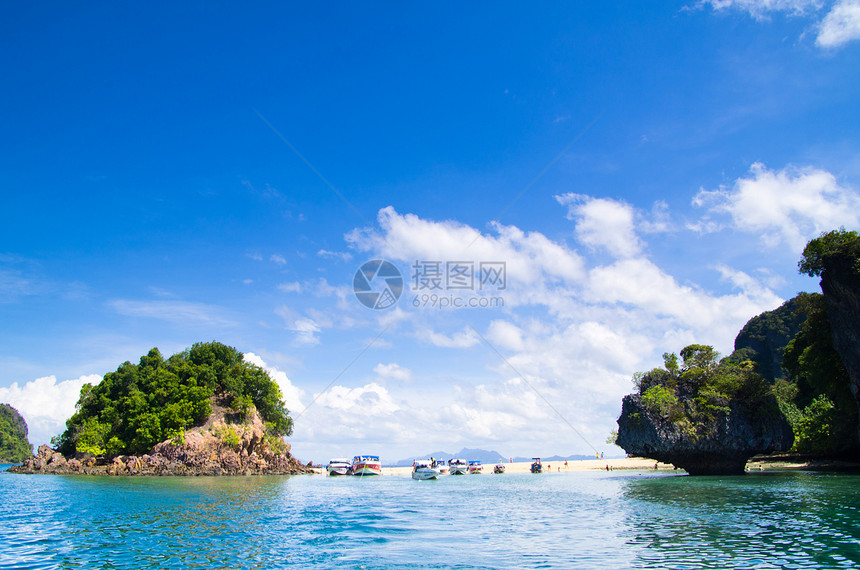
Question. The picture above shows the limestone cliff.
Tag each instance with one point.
(722, 449)
(840, 283)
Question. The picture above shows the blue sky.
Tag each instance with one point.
(647, 172)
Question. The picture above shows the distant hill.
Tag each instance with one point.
(482, 455)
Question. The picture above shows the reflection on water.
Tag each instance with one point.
(778, 520)
(585, 520)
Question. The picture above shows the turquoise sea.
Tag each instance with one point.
(601, 520)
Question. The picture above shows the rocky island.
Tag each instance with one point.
(792, 383)
(204, 411)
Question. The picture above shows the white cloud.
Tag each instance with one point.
(393, 371)
(462, 339)
(575, 333)
(306, 331)
(294, 287)
(279, 259)
(790, 206)
(341, 255)
(760, 9)
(841, 25)
(368, 400)
(180, 312)
(603, 224)
(46, 404)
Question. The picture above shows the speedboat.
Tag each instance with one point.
(338, 466)
(458, 466)
(443, 467)
(475, 467)
(365, 465)
(499, 468)
(424, 469)
(536, 466)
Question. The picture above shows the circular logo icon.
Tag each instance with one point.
(377, 284)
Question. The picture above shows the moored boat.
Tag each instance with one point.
(365, 465)
(458, 466)
(475, 467)
(424, 469)
(499, 468)
(339, 466)
(536, 465)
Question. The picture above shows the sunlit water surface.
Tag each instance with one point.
(559, 520)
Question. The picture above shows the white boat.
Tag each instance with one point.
(424, 469)
(443, 467)
(475, 467)
(458, 466)
(338, 466)
(366, 465)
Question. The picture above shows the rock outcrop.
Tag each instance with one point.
(840, 283)
(722, 450)
(224, 445)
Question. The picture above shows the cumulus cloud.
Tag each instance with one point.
(572, 331)
(841, 25)
(306, 331)
(393, 371)
(603, 224)
(788, 206)
(46, 404)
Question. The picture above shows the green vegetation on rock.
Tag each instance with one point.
(828, 247)
(14, 446)
(143, 404)
(699, 392)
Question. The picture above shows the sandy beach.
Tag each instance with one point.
(556, 466)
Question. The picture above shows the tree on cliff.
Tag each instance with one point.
(142, 404)
(14, 446)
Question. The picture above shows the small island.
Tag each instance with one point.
(204, 411)
(792, 383)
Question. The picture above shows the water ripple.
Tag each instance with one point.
(577, 520)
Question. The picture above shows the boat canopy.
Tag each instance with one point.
(474, 462)
(366, 458)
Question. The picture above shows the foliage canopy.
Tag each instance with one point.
(142, 404)
(830, 247)
(14, 446)
(699, 390)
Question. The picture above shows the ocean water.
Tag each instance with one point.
(554, 520)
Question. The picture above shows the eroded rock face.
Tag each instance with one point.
(840, 284)
(724, 450)
(219, 447)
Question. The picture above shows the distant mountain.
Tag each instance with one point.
(487, 457)
(482, 455)
(557, 458)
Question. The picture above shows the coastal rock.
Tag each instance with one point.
(723, 450)
(222, 446)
